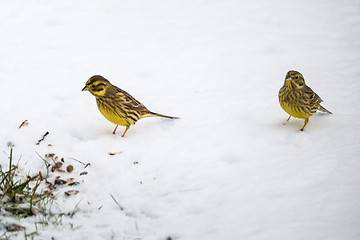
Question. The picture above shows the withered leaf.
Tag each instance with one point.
(49, 155)
(14, 227)
(114, 153)
(71, 192)
(57, 167)
(60, 182)
(69, 168)
(24, 123)
(42, 139)
(58, 164)
(73, 183)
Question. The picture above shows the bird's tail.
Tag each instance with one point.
(152, 114)
(321, 108)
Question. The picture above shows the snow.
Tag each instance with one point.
(229, 168)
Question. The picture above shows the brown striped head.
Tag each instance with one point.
(294, 80)
(97, 85)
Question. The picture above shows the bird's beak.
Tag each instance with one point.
(85, 89)
(288, 79)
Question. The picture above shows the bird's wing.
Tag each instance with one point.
(311, 96)
(127, 100)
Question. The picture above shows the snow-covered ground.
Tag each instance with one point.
(229, 168)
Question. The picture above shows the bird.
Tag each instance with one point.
(116, 105)
(299, 100)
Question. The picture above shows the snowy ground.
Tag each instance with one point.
(228, 169)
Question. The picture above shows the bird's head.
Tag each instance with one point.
(97, 85)
(294, 79)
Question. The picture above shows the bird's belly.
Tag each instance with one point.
(294, 111)
(116, 119)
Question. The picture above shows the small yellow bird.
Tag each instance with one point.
(117, 106)
(297, 99)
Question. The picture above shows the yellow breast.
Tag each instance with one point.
(112, 117)
(115, 116)
(294, 111)
(290, 101)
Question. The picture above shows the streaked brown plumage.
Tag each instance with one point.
(297, 99)
(117, 106)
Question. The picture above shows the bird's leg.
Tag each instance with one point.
(127, 128)
(306, 121)
(115, 129)
(287, 120)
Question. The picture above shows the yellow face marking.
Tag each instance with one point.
(98, 89)
(96, 86)
(294, 79)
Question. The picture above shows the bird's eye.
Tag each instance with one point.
(93, 86)
(297, 77)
